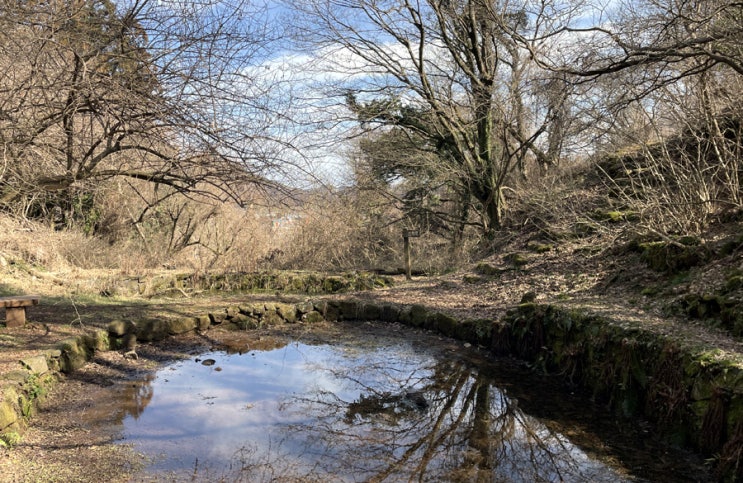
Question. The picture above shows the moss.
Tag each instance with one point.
(473, 279)
(333, 285)
(674, 257)
(733, 283)
(584, 228)
(487, 269)
(418, 315)
(9, 439)
(444, 324)
(538, 247)
(517, 259)
(614, 216)
(313, 317)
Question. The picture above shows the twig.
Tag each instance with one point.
(79, 318)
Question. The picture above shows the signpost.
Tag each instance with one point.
(406, 235)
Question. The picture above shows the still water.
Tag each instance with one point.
(368, 409)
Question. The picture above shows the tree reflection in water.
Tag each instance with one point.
(440, 421)
(469, 431)
(368, 410)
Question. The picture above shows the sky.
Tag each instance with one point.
(296, 95)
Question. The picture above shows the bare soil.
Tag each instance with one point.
(59, 444)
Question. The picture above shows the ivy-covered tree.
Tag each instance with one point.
(404, 161)
(463, 64)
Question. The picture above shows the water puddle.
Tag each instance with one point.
(373, 409)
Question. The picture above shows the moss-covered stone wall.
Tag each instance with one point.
(694, 395)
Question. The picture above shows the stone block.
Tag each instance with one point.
(203, 322)
(36, 364)
(8, 414)
(369, 311)
(182, 325)
(119, 327)
(97, 340)
(313, 317)
(288, 312)
(152, 330)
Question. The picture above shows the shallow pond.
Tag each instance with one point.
(371, 408)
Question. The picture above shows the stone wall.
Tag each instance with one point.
(692, 394)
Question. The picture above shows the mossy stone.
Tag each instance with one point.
(673, 258)
(313, 317)
(486, 269)
(152, 330)
(271, 319)
(445, 324)
(370, 311)
(8, 414)
(349, 309)
(97, 340)
(74, 354)
(390, 313)
(203, 322)
(217, 318)
(245, 322)
(475, 331)
(119, 327)
(517, 259)
(418, 315)
(288, 312)
(304, 307)
(181, 325)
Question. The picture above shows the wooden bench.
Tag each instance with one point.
(15, 308)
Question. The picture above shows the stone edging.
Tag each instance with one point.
(693, 395)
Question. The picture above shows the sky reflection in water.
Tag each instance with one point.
(385, 412)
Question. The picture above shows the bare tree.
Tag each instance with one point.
(453, 73)
(684, 37)
(668, 74)
(158, 91)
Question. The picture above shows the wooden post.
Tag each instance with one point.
(406, 249)
(406, 235)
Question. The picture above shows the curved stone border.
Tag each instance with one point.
(21, 390)
(693, 395)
